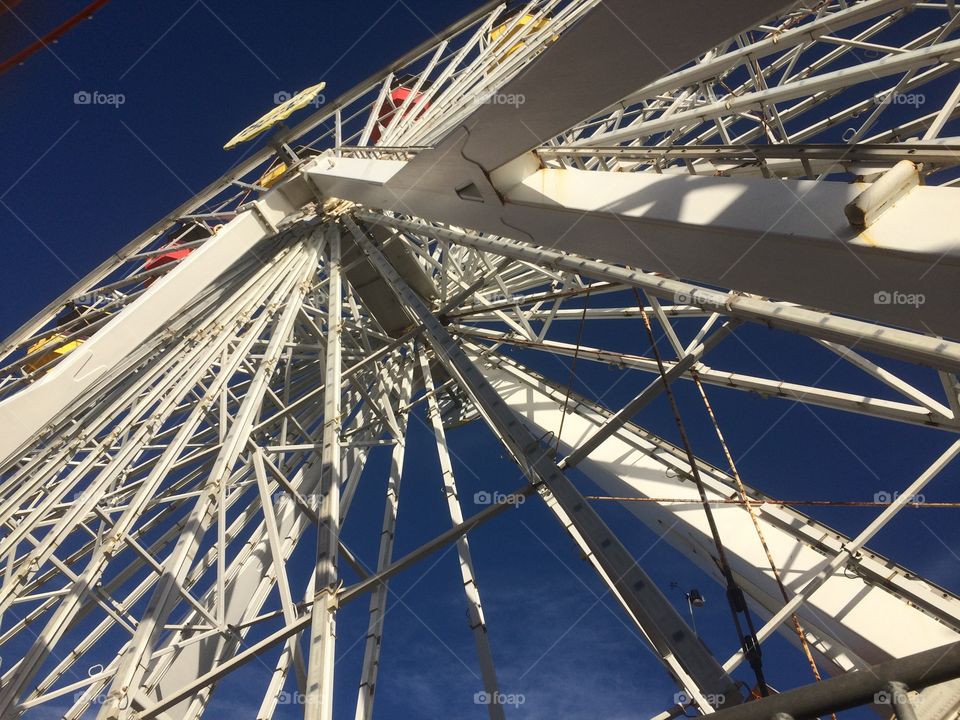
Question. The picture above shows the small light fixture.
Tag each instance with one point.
(695, 599)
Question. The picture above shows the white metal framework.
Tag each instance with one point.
(181, 420)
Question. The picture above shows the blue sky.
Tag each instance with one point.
(77, 182)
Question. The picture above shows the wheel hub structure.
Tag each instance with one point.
(203, 403)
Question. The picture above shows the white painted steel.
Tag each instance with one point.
(159, 478)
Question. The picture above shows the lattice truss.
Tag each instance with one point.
(205, 400)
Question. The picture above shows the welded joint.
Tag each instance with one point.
(880, 196)
(258, 212)
(331, 596)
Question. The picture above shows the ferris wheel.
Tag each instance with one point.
(203, 403)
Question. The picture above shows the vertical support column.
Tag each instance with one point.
(319, 700)
(378, 597)
(478, 624)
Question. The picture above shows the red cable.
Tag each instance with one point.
(52, 35)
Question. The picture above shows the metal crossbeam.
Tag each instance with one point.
(795, 224)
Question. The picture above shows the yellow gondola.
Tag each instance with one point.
(272, 176)
(54, 354)
(512, 27)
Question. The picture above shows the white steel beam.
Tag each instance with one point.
(561, 88)
(251, 577)
(766, 387)
(65, 613)
(910, 346)
(861, 72)
(24, 414)
(851, 548)
(278, 560)
(345, 595)
(785, 239)
(644, 398)
(319, 696)
(776, 42)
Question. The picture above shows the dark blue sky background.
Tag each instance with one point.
(77, 182)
